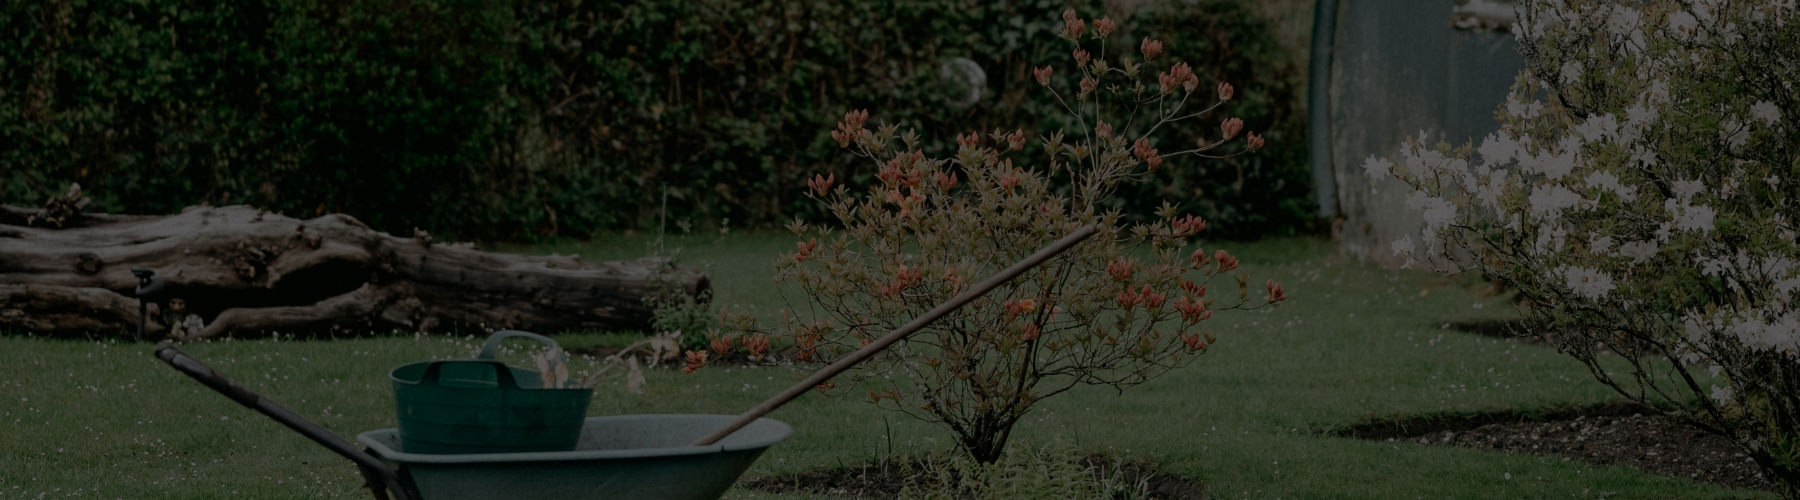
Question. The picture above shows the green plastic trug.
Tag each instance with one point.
(484, 406)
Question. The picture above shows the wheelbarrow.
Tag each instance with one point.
(624, 456)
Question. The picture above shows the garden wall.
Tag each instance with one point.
(1399, 69)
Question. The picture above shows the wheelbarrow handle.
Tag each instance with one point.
(376, 472)
(865, 352)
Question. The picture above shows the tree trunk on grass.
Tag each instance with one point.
(237, 269)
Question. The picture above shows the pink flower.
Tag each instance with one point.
(757, 344)
(1103, 130)
(1104, 26)
(1021, 306)
(1179, 75)
(1008, 180)
(1198, 291)
(821, 184)
(721, 344)
(1188, 225)
(1192, 310)
(1042, 75)
(804, 249)
(850, 128)
(1016, 140)
(1088, 84)
(1276, 294)
(1151, 48)
(1231, 127)
(1081, 57)
(1255, 141)
(945, 181)
(968, 141)
(1198, 258)
(890, 173)
(1146, 153)
(855, 118)
(1226, 261)
(1152, 299)
(1072, 25)
(1121, 269)
(1129, 299)
(695, 361)
(1193, 341)
(1030, 332)
(1225, 91)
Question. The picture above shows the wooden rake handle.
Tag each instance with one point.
(878, 345)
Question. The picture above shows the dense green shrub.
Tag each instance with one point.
(512, 120)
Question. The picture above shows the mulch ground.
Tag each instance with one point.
(1610, 434)
(879, 481)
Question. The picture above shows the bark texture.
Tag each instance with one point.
(238, 270)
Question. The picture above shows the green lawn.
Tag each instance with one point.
(104, 418)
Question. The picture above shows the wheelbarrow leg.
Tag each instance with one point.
(381, 481)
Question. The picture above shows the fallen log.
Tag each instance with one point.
(239, 270)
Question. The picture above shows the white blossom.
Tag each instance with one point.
(1377, 168)
(1638, 115)
(1551, 199)
(1766, 112)
(1403, 247)
(1570, 71)
(1733, 132)
(1488, 193)
(1690, 217)
(1696, 328)
(1643, 158)
(1638, 251)
(1599, 243)
(1658, 93)
(1683, 24)
(1438, 213)
(1498, 149)
(1626, 23)
(1721, 394)
(1588, 283)
(1685, 189)
(1518, 108)
(1554, 166)
(1780, 333)
(1550, 239)
(1599, 127)
(1607, 181)
(1422, 161)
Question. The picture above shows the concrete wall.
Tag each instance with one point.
(1399, 67)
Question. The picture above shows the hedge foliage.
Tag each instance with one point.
(516, 120)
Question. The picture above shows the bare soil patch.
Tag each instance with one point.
(1611, 434)
(887, 480)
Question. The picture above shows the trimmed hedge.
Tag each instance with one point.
(517, 120)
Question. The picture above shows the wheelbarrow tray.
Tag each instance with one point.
(623, 456)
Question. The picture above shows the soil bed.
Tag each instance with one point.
(888, 480)
(1610, 434)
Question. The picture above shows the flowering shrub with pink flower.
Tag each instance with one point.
(1122, 307)
(1640, 196)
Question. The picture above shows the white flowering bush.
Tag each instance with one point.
(1638, 196)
